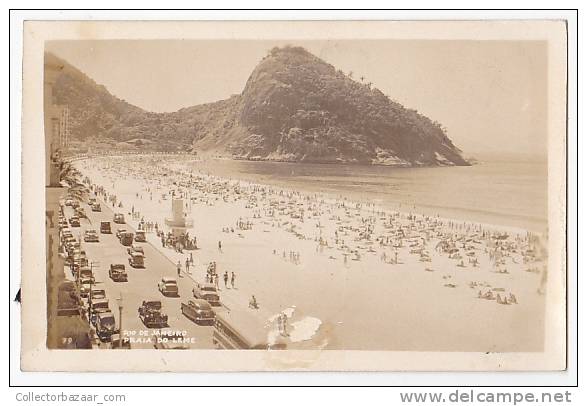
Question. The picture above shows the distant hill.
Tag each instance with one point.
(294, 107)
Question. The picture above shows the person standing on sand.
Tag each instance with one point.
(232, 279)
(220, 246)
(187, 265)
(226, 279)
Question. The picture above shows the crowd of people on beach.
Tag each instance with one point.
(344, 230)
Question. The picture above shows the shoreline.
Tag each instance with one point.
(441, 212)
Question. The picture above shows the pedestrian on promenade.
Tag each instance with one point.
(191, 258)
(232, 279)
(220, 246)
(226, 279)
(216, 281)
(179, 268)
(187, 265)
(253, 302)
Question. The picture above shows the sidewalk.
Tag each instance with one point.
(229, 298)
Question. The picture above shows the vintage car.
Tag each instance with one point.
(199, 311)
(208, 292)
(119, 232)
(168, 287)
(85, 272)
(98, 306)
(73, 248)
(67, 238)
(118, 273)
(126, 238)
(117, 344)
(105, 227)
(97, 294)
(135, 248)
(170, 340)
(151, 315)
(105, 325)
(85, 286)
(92, 200)
(80, 212)
(136, 260)
(119, 218)
(91, 236)
(140, 236)
(74, 221)
(96, 207)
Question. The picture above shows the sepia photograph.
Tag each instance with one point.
(300, 197)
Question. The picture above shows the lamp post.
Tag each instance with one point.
(120, 304)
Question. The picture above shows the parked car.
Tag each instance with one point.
(199, 311)
(140, 236)
(118, 273)
(97, 294)
(136, 260)
(67, 238)
(105, 227)
(105, 326)
(98, 306)
(91, 236)
(96, 207)
(151, 314)
(85, 272)
(126, 239)
(207, 292)
(119, 232)
(85, 286)
(74, 221)
(135, 248)
(168, 287)
(119, 218)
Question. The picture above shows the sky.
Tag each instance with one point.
(490, 95)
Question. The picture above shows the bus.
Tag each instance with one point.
(243, 330)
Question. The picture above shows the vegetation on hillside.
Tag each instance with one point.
(294, 107)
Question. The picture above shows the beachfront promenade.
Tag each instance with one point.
(141, 285)
(349, 274)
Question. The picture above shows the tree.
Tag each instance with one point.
(69, 176)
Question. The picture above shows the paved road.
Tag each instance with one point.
(142, 283)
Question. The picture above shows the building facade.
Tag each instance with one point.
(53, 193)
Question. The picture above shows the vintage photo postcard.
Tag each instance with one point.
(294, 195)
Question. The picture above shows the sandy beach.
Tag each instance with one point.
(350, 275)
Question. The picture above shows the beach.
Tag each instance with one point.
(351, 272)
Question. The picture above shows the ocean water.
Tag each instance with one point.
(512, 194)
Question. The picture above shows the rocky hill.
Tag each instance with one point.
(294, 107)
